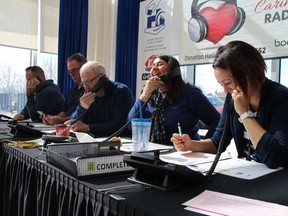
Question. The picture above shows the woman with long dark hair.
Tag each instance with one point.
(172, 101)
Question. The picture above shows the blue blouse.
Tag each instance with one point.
(190, 107)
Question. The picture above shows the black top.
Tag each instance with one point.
(72, 99)
(47, 99)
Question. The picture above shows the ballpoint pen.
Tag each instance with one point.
(180, 132)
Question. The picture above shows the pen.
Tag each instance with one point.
(180, 132)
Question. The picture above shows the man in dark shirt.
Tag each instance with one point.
(105, 110)
(74, 63)
(42, 95)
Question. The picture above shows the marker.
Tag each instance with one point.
(180, 132)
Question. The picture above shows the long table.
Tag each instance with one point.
(31, 186)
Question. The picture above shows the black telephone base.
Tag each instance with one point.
(22, 131)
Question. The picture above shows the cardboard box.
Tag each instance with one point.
(88, 159)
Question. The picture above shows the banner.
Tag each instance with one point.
(157, 24)
(207, 25)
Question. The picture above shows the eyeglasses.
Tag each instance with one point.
(89, 82)
(73, 71)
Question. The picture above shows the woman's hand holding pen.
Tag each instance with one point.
(181, 142)
(185, 143)
(151, 85)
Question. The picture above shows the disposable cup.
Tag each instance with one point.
(63, 130)
(140, 133)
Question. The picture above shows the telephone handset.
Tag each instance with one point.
(38, 78)
(5, 117)
(170, 74)
(101, 83)
(35, 79)
(23, 130)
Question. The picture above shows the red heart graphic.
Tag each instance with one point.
(219, 21)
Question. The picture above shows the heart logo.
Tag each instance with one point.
(219, 21)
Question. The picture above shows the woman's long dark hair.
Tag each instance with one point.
(176, 84)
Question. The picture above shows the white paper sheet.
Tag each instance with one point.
(127, 145)
(235, 167)
(241, 168)
(151, 147)
(190, 158)
(215, 203)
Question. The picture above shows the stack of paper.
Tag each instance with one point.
(215, 203)
(235, 167)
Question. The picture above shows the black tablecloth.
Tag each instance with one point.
(31, 186)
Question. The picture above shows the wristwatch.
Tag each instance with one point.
(248, 114)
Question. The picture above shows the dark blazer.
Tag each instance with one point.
(272, 149)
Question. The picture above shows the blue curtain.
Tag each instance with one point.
(73, 27)
(127, 43)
